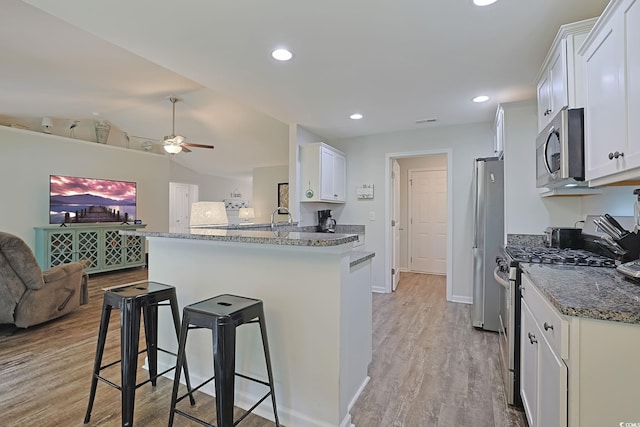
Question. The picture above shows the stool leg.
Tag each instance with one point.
(265, 345)
(129, 342)
(102, 338)
(224, 367)
(173, 302)
(182, 344)
(150, 313)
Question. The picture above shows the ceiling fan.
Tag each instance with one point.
(173, 143)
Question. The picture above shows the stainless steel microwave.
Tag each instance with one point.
(560, 150)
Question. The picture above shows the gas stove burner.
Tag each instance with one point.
(544, 255)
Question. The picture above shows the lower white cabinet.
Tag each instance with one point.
(544, 377)
(99, 247)
(576, 371)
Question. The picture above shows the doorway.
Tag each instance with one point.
(427, 210)
(441, 229)
(181, 196)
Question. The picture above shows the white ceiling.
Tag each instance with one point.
(395, 62)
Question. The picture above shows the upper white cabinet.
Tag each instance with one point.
(612, 95)
(498, 145)
(561, 77)
(323, 173)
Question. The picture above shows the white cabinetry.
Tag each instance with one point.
(543, 384)
(498, 145)
(612, 130)
(561, 78)
(576, 371)
(323, 173)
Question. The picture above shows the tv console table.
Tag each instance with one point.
(100, 247)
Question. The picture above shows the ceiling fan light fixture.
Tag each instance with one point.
(172, 148)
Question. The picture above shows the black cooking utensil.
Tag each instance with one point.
(616, 224)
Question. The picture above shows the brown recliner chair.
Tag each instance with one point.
(28, 295)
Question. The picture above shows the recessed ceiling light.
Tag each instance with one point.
(483, 2)
(282, 54)
(356, 116)
(481, 98)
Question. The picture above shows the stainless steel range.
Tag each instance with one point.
(508, 274)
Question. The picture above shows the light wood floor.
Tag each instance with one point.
(430, 368)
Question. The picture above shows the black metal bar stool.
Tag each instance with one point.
(222, 314)
(132, 300)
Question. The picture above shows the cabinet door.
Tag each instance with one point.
(134, 249)
(339, 177)
(61, 247)
(88, 243)
(529, 365)
(499, 141)
(558, 81)
(326, 174)
(632, 28)
(543, 101)
(605, 122)
(552, 387)
(113, 249)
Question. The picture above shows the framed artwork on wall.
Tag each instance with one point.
(283, 196)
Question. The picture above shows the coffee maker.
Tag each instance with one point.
(326, 224)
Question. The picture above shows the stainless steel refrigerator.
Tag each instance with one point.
(488, 239)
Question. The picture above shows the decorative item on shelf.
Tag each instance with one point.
(365, 191)
(47, 125)
(246, 215)
(102, 131)
(208, 213)
(235, 202)
(283, 197)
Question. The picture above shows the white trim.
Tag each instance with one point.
(387, 214)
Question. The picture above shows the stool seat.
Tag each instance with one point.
(133, 300)
(222, 315)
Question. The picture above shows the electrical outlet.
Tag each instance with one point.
(372, 216)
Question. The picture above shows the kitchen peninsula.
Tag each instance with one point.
(317, 297)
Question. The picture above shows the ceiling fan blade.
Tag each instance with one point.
(185, 149)
(196, 145)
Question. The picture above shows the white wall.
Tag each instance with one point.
(28, 158)
(435, 161)
(366, 164)
(265, 188)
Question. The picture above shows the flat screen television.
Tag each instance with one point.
(89, 200)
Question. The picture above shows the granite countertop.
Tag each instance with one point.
(358, 257)
(591, 292)
(277, 237)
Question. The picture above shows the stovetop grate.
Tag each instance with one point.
(545, 255)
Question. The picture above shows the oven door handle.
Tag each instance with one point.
(500, 280)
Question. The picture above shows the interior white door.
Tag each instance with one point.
(180, 198)
(395, 225)
(428, 221)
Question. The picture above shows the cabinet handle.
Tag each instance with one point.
(547, 326)
(616, 155)
(532, 338)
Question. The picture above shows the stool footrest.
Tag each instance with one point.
(192, 418)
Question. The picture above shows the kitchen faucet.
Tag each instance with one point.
(273, 223)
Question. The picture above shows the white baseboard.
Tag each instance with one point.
(461, 299)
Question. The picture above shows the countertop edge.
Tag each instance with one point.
(358, 257)
(282, 238)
